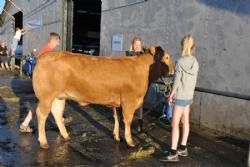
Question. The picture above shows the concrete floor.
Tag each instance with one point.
(91, 141)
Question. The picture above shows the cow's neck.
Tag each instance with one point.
(152, 68)
(156, 69)
(147, 59)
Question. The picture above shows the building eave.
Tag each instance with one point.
(4, 14)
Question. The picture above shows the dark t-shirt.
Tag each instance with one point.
(133, 53)
(3, 51)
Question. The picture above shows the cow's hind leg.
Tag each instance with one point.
(116, 127)
(42, 112)
(128, 114)
(57, 109)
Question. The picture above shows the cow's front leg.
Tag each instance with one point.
(116, 127)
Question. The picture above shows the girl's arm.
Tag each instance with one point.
(176, 84)
(177, 78)
(170, 98)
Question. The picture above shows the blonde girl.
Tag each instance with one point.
(182, 97)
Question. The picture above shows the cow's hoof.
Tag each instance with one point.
(117, 138)
(44, 146)
(131, 144)
(67, 138)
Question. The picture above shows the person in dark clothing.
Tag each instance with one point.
(4, 55)
(136, 49)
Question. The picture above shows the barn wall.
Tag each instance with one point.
(46, 13)
(222, 32)
(221, 29)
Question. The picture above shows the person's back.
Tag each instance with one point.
(188, 66)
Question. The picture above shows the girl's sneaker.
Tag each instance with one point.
(182, 153)
(170, 157)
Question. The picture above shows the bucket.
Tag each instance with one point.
(168, 111)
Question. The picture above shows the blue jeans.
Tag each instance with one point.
(14, 44)
(182, 102)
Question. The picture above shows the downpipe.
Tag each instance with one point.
(223, 93)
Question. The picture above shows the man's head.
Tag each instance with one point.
(54, 40)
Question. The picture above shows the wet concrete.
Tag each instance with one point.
(92, 142)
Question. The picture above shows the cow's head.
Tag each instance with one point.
(161, 56)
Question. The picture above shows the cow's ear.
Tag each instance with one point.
(159, 53)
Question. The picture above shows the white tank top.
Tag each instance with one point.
(18, 35)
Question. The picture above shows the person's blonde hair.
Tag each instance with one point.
(188, 45)
(136, 38)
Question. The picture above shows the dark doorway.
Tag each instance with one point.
(19, 23)
(83, 32)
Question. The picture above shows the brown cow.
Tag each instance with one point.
(112, 81)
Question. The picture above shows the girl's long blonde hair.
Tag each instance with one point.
(188, 45)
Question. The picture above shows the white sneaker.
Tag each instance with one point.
(182, 153)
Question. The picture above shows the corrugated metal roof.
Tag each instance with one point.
(4, 14)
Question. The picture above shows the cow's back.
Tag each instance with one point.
(88, 79)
